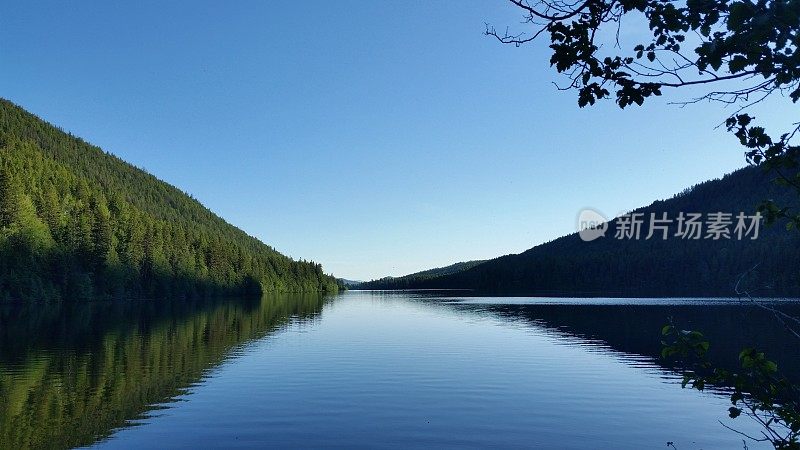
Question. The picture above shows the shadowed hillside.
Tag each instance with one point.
(651, 267)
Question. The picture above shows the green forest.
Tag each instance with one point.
(78, 223)
(568, 266)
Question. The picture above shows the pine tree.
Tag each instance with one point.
(9, 199)
(76, 222)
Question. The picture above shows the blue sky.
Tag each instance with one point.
(377, 138)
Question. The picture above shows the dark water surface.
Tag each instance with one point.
(370, 369)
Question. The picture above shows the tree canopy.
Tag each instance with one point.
(734, 52)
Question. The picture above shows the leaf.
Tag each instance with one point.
(771, 367)
(738, 14)
(744, 119)
(737, 64)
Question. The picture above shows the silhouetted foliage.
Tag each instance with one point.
(758, 390)
(740, 51)
(744, 51)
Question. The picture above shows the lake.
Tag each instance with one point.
(370, 369)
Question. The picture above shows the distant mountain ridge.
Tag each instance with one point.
(408, 281)
(79, 223)
(568, 266)
(349, 284)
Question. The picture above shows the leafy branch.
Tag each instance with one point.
(757, 391)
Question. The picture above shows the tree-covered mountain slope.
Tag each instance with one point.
(676, 266)
(78, 223)
(411, 280)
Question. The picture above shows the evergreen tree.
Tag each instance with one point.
(77, 223)
(9, 198)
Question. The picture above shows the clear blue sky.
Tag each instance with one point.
(378, 138)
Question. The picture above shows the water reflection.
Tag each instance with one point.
(632, 327)
(71, 374)
(406, 370)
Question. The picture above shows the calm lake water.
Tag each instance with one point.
(369, 369)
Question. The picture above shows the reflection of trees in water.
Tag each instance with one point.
(71, 374)
(636, 329)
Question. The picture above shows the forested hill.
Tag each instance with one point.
(79, 223)
(411, 280)
(652, 267)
